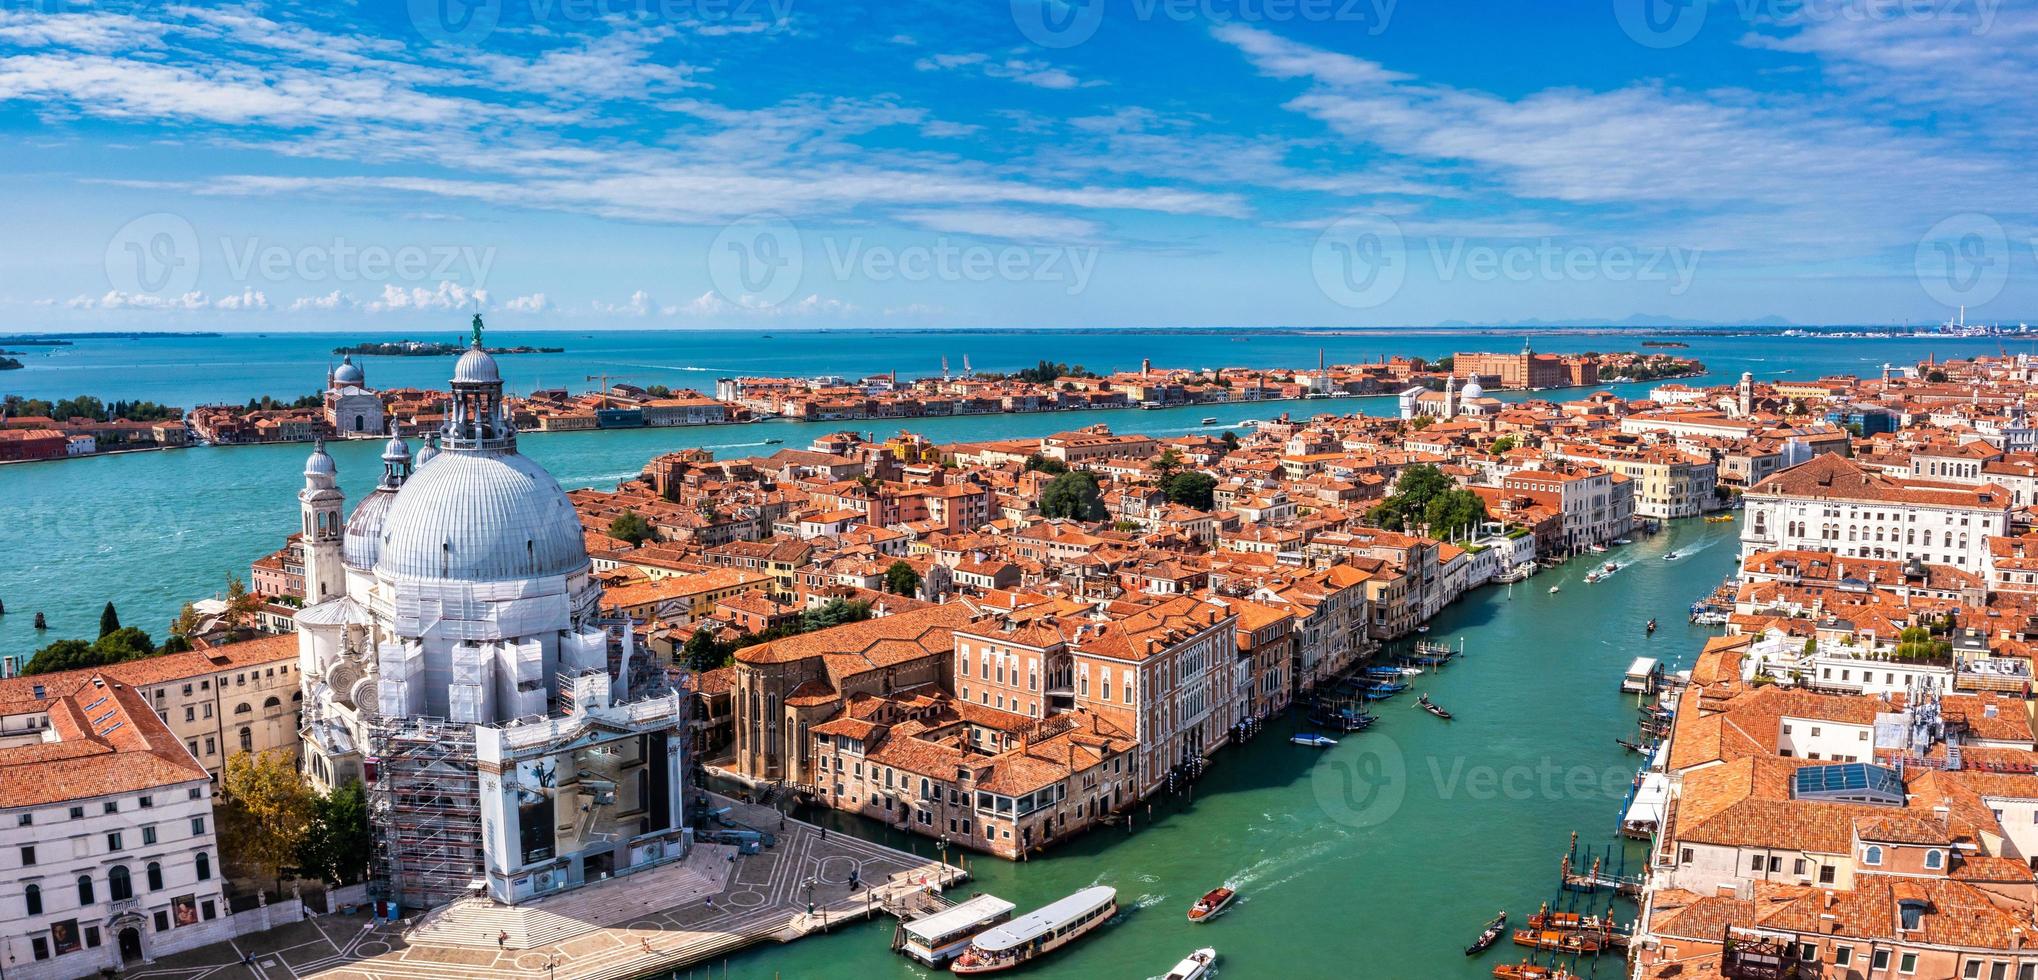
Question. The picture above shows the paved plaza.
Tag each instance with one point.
(705, 907)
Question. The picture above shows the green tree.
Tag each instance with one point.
(1453, 511)
(1936, 377)
(703, 652)
(1420, 422)
(632, 527)
(1167, 464)
(338, 843)
(109, 620)
(1423, 494)
(187, 622)
(1046, 464)
(264, 812)
(119, 646)
(1230, 440)
(240, 605)
(1074, 494)
(1503, 445)
(835, 612)
(901, 579)
(1191, 489)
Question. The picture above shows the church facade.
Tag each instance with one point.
(352, 409)
(455, 660)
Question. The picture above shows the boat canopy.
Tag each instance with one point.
(945, 924)
(1044, 920)
(1642, 667)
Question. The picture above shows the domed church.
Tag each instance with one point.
(453, 659)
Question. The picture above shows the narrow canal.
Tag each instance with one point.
(1383, 856)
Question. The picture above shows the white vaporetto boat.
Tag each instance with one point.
(938, 938)
(1038, 932)
(1195, 966)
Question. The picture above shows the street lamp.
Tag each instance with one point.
(941, 849)
(810, 896)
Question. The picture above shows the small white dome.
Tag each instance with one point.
(1472, 390)
(481, 517)
(476, 367)
(348, 373)
(363, 540)
(395, 450)
(320, 463)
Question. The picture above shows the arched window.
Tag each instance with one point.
(33, 894)
(155, 876)
(85, 890)
(272, 703)
(204, 867)
(1871, 855)
(247, 739)
(118, 886)
(243, 708)
(1935, 860)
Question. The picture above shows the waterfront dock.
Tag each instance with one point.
(693, 912)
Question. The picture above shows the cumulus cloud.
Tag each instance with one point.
(534, 303)
(447, 295)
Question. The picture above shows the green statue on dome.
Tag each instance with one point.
(477, 331)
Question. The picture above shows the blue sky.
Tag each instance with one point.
(792, 163)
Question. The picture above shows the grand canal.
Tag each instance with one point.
(1384, 856)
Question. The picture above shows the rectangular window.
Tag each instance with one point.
(148, 836)
(112, 806)
(28, 857)
(1907, 963)
(77, 813)
(113, 841)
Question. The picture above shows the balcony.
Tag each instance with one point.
(1751, 958)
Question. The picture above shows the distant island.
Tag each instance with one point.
(9, 364)
(1664, 343)
(420, 348)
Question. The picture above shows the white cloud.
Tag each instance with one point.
(639, 304)
(247, 299)
(446, 295)
(534, 303)
(327, 303)
(1010, 225)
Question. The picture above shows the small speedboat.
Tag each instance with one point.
(1195, 966)
(1432, 707)
(1597, 549)
(773, 442)
(1494, 930)
(1213, 901)
(1650, 629)
(1609, 568)
(1313, 741)
(1553, 590)
(1212, 420)
(1673, 556)
(1623, 541)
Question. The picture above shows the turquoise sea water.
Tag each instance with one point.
(1381, 857)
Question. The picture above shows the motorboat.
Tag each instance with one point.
(1673, 556)
(1213, 902)
(1195, 966)
(1623, 541)
(1038, 932)
(773, 442)
(1553, 590)
(1313, 741)
(1211, 420)
(1532, 971)
(1597, 549)
(1559, 941)
(1494, 930)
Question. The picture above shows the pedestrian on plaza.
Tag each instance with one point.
(502, 939)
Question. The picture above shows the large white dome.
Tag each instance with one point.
(481, 517)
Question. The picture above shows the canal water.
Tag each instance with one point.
(1385, 855)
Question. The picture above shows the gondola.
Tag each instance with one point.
(1432, 707)
(1650, 630)
(1492, 935)
(1632, 745)
(1556, 941)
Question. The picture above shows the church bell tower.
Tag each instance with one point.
(321, 503)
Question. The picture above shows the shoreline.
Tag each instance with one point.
(768, 420)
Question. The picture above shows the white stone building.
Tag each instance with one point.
(352, 409)
(107, 854)
(454, 660)
(1831, 504)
